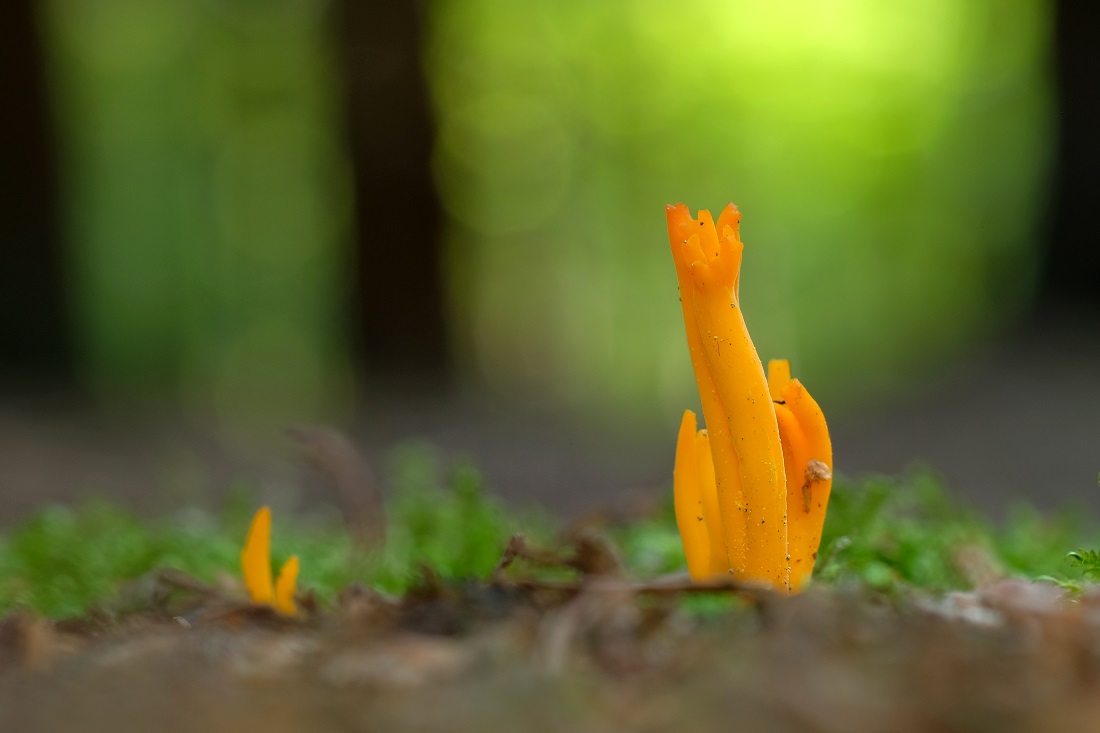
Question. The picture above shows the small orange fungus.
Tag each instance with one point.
(256, 568)
(750, 490)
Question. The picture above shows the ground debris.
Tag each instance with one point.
(604, 659)
(32, 644)
(403, 660)
(335, 457)
(594, 651)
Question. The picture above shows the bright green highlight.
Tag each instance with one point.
(892, 155)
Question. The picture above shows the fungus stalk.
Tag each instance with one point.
(766, 444)
(256, 568)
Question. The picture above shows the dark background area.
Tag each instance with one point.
(1071, 276)
(37, 336)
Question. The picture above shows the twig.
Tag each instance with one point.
(356, 488)
(659, 587)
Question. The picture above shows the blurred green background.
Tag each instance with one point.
(219, 230)
(889, 160)
(206, 200)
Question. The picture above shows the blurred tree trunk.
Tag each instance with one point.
(398, 308)
(34, 328)
(1072, 274)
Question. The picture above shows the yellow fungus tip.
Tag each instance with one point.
(256, 558)
(286, 587)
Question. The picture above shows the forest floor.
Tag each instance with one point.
(601, 654)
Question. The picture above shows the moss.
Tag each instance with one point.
(890, 534)
(884, 534)
(62, 560)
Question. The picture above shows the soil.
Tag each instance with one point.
(600, 654)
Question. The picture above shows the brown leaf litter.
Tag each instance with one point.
(595, 651)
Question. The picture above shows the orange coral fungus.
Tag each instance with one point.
(696, 503)
(256, 568)
(755, 470)
(808, 463)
